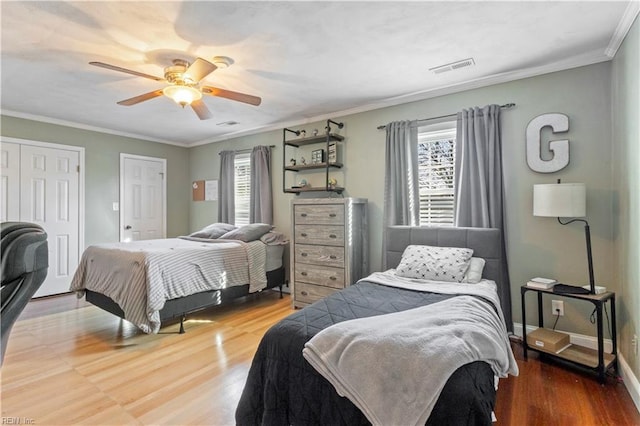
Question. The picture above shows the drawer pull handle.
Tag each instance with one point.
(332, 278)
(332, 236)
(304, 293)
(304, 234)
(304, 274)
(303, 254)
(303, 214)
(332, 215)
(332, 257)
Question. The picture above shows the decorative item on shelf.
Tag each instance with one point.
(332, 183)
(292, 161)
(317, 156)
(303, 133)
(303, 161)
(315, 132)
(542, 283)
(333, 154)
(565, 200)
(302, 184)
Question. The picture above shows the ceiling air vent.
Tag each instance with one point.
(453, 66)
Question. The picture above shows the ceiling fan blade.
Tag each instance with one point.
(141, 98)
(132, 72)
(200, 108)
(234, 96)
(199, 69)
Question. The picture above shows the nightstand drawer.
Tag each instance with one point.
(309, 293)
(319, 234)
(321, 214)
(320, 255)
(325, 276)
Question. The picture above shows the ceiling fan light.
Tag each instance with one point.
(182, 95)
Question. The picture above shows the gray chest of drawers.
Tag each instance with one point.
(330, 246)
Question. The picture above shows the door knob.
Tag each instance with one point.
(127, 227)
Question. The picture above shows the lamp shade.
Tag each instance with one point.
(560, 200)
(182, 95)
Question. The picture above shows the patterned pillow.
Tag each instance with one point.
(434, 263)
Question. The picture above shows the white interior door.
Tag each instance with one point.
(142, 198)
(49, 196)
(10, 188)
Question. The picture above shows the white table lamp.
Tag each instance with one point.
(565, 200)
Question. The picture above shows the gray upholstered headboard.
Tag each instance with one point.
(485, 242)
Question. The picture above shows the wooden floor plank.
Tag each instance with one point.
(71, 363)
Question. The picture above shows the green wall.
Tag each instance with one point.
(102, 173)
(626, 155)
(536, 246)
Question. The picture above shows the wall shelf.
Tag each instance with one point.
(312, 167)
(294, 190)
(313, 140)
(328, 139)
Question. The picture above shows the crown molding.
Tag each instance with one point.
(589, 58)
(629, 15)
(81, 126)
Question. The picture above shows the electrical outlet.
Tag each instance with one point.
(634, 344)
(557, 307)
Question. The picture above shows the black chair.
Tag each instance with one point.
(25, 259)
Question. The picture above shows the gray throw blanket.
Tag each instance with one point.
(394, 366)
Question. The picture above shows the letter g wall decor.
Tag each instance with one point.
(560, 148)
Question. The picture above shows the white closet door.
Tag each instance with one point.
(10, 188)
(49, 189)
(142, 199)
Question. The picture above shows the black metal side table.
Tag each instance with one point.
(596, 360)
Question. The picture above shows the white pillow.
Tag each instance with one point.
(434, 263)
(474, 271)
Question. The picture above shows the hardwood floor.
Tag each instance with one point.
(549, 393)
(69, 363)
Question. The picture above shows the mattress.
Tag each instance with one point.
(282, 388)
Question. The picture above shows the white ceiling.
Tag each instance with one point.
(306, 60)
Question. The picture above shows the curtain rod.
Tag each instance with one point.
(510, 105)
(244, 151)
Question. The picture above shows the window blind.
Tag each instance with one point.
(436, 162)
(242, 188)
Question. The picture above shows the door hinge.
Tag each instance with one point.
(161, 175)
(78, 168)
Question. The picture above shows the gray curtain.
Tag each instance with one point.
(261, 204)
(401, 203)
(479, 181)
(226, 193)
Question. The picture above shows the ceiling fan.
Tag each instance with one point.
(184, 85)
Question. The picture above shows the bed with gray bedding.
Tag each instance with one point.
(284, 388)
(147, 282)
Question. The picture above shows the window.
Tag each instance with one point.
(436, 162)
(242, 188)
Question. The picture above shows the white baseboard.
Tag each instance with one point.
(577, 339)
(630, 380)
